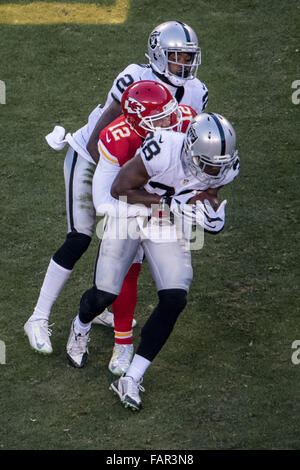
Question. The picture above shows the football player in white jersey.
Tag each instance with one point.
(174, 57)
(169, 169)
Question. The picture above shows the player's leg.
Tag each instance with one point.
(78, 174)
(123, 309)
(124, 306)
(170, 265)
(114, 259)
(121, 317)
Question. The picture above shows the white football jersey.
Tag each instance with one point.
(161, 155)
(194, 93)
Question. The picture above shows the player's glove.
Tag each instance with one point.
(202, 214)
(180, 207)
(211, 220)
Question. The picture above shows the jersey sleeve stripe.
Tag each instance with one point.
(105, 154)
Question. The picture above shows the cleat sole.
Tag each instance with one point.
(75, 365)
(125, 403)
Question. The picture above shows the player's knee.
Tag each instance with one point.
(161, 322)
(172, 301)
(71, 251)
(163, 318)
(93, 302)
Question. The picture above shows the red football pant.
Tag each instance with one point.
(124, 306)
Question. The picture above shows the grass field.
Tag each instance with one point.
(225, 379)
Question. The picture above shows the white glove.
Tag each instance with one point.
(56, 138)
(212, 221)
(180, 207)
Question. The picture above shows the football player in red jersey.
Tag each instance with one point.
(147, 106)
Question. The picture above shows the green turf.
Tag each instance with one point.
(225, 379)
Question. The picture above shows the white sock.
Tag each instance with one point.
(138, 367)
(82, 328)
(55, 279)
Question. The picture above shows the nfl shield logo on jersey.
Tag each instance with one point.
(133, 106)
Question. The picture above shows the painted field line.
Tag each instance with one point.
(54, 13)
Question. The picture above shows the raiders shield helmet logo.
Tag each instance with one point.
(154, 39)
(133, 106)
(192, 136)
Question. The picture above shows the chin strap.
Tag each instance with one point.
(163, 78)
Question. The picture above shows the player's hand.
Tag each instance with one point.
(180, 208)
(211, 220)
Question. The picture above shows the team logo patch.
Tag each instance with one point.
(133, 106)
(192, 136)
(153, 40)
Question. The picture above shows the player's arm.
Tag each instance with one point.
(103, 201)
(130, 181)
(112, 112)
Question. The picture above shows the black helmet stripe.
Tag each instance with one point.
(186, 31)
(222, 135)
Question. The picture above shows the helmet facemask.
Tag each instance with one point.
(171, 109)
(212, 170)
(185, 71)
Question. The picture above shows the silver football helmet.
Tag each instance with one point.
(209, 148)
(174, 37)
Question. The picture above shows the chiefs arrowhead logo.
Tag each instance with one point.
(133, 106)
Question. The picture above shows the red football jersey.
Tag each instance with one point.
(187, 115)
(119, 143)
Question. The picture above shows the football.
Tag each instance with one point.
(211, 194)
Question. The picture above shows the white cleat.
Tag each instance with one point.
(106, 318)
(128, 391)
(38, 333)
(77, 350)
(121, 358)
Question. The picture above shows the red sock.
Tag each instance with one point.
(123, 307)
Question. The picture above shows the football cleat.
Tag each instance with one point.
(121, 358)
(38, 334)
(106, 318)
(128, 391)
(77, 350)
